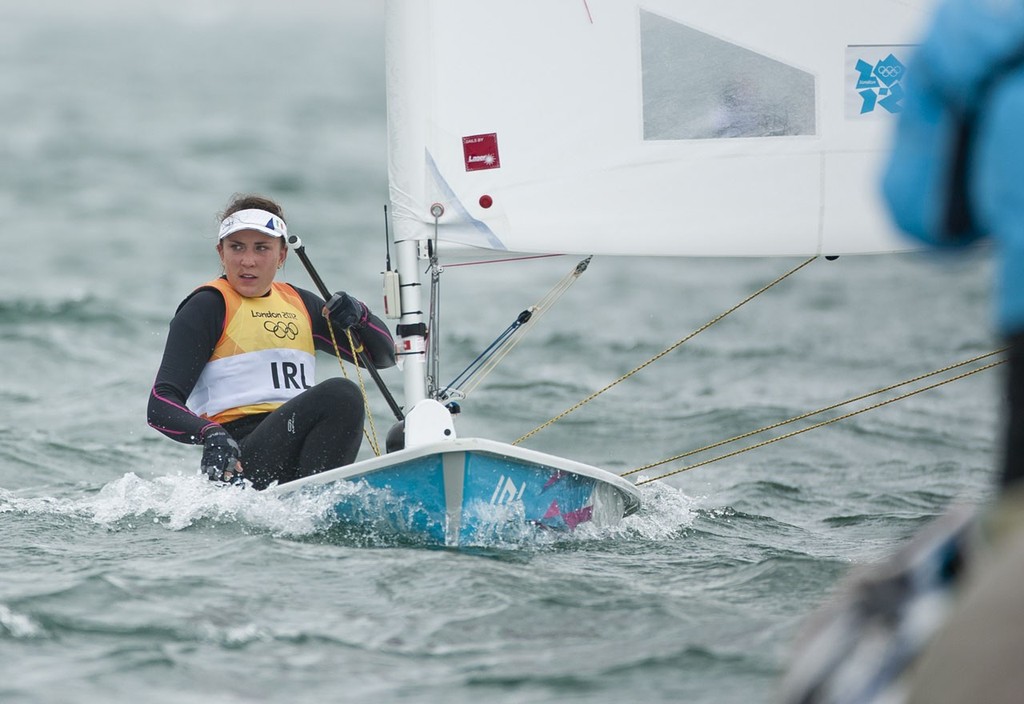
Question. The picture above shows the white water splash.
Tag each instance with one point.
(178, 502)
(664, 512)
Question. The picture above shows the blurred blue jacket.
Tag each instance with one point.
(967, 41)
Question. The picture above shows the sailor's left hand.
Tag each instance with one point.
(347, 311)
(221, 457)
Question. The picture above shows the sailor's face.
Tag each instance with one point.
(251, 259)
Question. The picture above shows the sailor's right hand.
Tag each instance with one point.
(347, 311)
(220, 456)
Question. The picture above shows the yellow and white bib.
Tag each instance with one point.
(264, 357)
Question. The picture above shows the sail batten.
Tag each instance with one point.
(702, 128)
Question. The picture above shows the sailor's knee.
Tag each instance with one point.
(338, 390)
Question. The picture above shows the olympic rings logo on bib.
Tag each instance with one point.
(282, 330)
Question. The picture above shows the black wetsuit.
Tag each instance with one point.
(319, 429)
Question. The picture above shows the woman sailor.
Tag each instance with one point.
(237, 372)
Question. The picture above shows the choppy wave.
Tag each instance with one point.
(85, 310)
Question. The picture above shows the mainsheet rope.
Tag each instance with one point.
(822, 423)
(658, 356)
(371, 435)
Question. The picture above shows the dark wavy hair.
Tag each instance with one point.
(247, 201)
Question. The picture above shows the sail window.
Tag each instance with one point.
(696, 86)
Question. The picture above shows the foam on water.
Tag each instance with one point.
(179, 502)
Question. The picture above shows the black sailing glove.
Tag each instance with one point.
(220, 456)
(346, 311)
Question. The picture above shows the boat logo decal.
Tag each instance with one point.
(570, 519)
(506, 491)
(481, 151)
(553, 479)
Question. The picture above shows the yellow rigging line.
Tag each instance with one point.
(814, 413)
(371, 435)
(774, 425)
(822, 423)
(658, 356)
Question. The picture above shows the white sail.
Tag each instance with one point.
(686, 127)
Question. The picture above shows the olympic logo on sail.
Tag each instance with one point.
(879, 84)
(282, 330)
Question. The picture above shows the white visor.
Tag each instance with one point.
(253, 219)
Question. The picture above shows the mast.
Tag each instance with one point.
(412, 330)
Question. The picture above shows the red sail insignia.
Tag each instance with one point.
(481, 151)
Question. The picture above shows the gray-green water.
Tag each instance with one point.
(124, 577)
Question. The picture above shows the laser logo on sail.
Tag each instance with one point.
(481, 151)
